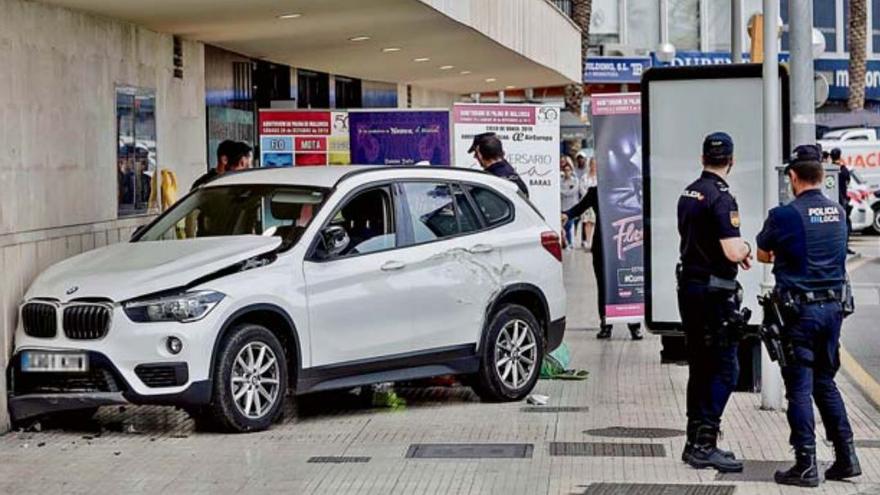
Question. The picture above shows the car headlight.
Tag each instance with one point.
(186, 307)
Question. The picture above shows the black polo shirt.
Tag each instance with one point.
(707, 213)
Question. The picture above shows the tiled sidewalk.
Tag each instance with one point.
(155, 450)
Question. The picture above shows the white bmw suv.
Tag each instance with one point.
(302, 279)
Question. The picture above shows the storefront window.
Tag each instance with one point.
(684, 24)
(643, 24)
(136, 148)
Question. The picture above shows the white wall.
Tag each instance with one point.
(58, 193)
(425, 97)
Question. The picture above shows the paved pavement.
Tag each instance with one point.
(859, 335)
(154, 450)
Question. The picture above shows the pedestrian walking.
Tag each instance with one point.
(569, 188)
(712, 250)
(591, 201)
(805, 241)
(489, 153)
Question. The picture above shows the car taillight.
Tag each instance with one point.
(550, 241)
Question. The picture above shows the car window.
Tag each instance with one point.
(431, 210)
(369, 222)
(496, 210)
(468, 219)
(239, 210)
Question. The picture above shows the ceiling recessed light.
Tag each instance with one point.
(446, 67)
(359, 38)
(391, 49)
(290, 16)
(509, 87)
(490, 79)
(421, 59)
(465, 72)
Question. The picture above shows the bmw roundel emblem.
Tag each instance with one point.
(72, 290)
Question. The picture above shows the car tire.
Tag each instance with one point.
(875, 225)
(512, 345)
(250, 381)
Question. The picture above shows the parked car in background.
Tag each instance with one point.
(860, 150)
(302, 279)
(865, 200)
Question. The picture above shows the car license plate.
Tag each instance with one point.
(64, 362)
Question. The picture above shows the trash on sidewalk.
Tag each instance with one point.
(385, 396)
(555, 365)
(538, 399)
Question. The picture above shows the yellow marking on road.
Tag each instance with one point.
(860, 376)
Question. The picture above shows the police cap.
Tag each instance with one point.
(479, 139)
(718, 145)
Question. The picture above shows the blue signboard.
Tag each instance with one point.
(616, 69)
(835, 70)
(836, 73)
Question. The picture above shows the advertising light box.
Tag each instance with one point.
(680, 106)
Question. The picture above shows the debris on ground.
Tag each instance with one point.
(41, 444)
(538, 399)
(385, 396)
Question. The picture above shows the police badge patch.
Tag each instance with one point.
(734, 218)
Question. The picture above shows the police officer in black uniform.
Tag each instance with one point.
(489, 153)
(709, 301)
(806, 242)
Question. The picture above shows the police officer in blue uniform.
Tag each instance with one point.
(806, 242)
(709, 301)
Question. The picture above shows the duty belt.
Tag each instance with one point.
(816, 296)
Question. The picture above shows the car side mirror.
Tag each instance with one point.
(335, 241)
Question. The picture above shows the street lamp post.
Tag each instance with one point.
(736, 31)
(771, 379)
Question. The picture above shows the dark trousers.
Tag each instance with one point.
(599, 271)
(713, 365)
(816, 340)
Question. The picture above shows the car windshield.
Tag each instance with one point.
(282, 211)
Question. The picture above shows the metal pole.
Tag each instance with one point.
(736, 31)
(664, 22)
(771, 379)
(803, 110)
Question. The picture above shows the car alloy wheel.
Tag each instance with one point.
(255, 381)
(516, 354)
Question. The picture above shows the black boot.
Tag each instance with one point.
(846, 463)
(635, 330)
(691, 439)
(705, 454)
(604, 332)
(804, 472)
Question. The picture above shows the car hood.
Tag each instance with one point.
(130, 269)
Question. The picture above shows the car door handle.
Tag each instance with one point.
(480, 249)
(390, 266)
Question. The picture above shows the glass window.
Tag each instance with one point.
(431, 211)
(239, 210)
(825, 20)
(136, 149)
(643, 23)
(495, 209)
(684, 24)
(368, 219)
(468, 219)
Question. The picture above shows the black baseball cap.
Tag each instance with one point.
(479, 139)
(806, 153)
(718, 145)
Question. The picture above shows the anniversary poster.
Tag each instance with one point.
(617, 127)
(399, 137)
(530, 137)
(303, 138)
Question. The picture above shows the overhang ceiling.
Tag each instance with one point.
(319, 39)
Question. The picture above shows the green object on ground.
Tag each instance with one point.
(388, 398)
(555, 365)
